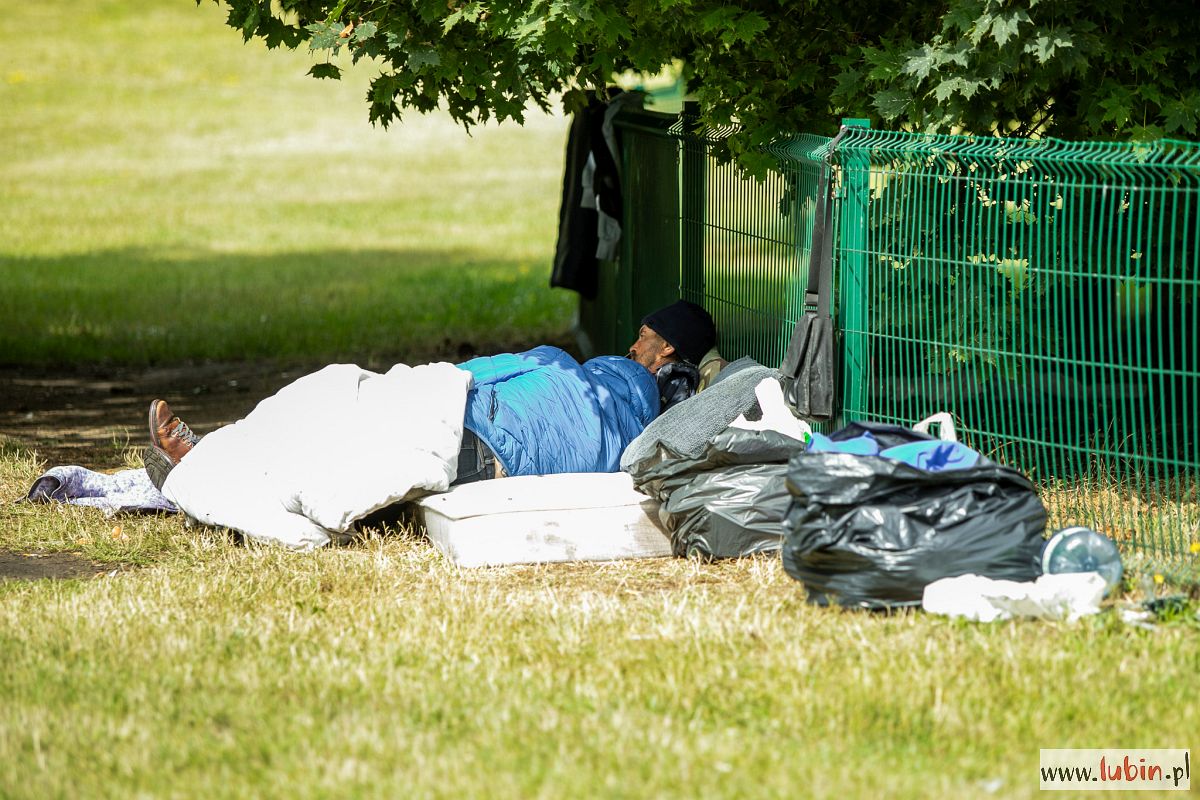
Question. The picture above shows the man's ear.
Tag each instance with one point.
(667, 350)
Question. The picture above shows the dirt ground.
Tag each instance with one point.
(91, 417)
(58, 566)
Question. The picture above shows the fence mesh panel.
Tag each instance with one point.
(1046, 293)
(696, 228)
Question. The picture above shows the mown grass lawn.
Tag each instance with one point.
(172, 195)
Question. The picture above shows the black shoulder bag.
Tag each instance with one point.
(811, 365)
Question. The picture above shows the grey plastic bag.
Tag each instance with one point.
(728, 501)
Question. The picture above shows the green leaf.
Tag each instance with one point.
(394, 40)
(946, 88)
(981, 27)
(719, 19)
(885, 65)
(891, 103)
(756, 162)
(574, 100)
(324, 35)
(1007, 26)
(747, 26)
(325, 71)
(1145, 133)
(467, 13)
(847, 83)
(1016, 270)
(365, 30)
(920, 62)
(250, 24)
(969, 84)
(1118, 106)
(1181, 115)
(382, 98)
(274, 32)
(959, 54)
(533, 26)
(421, 57)
(1042, 48)
(961, 16)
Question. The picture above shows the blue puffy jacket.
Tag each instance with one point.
(543, 413)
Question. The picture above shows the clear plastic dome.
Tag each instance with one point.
(1083, 550)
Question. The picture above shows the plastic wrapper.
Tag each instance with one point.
(727, 502)
(1066, 596)
(870, 531)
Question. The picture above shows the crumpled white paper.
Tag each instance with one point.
(1065, 596)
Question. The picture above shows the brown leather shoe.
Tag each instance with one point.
(158, 466)
(168, 433)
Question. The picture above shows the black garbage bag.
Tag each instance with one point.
(872, 531)
(727, 502)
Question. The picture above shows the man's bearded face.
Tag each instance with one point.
(651, 350)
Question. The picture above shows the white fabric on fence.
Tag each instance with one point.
(325, 451)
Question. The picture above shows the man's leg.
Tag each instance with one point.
(170, 440)
(476, 462)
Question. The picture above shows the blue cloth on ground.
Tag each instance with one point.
(932, 456)
(864, 445)
(129, 490)
(543, 413)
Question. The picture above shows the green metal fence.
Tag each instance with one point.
(1046, 293)
(696, 228)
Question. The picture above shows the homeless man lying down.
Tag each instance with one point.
(336, 445)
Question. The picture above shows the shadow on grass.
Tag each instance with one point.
(52, 566)
(87, 341)
(139, 308)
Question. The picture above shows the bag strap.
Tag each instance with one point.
(820, 254)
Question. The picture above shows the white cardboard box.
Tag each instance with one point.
(538, 519)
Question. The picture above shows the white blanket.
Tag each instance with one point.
(325, 451)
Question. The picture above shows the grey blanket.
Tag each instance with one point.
(128, 490)
(687, 427)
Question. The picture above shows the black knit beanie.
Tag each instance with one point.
(687, 327)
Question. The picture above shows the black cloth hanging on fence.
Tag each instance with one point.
(589, 226)
(812, 362)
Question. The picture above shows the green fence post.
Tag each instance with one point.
(627, 262)
(851, 305)
(693, 193)
(647, 275)
(649, 202)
